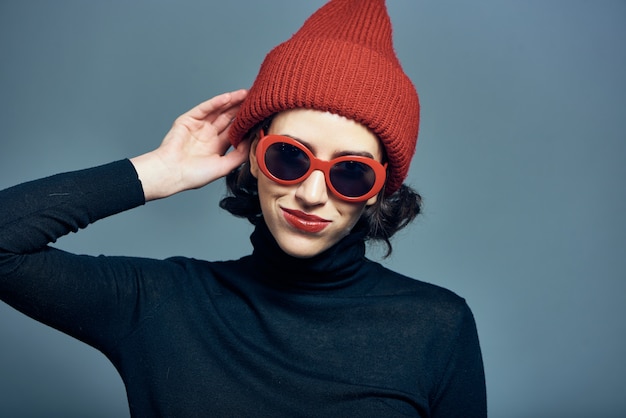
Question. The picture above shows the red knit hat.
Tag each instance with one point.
(341, 61)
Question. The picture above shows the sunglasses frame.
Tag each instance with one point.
(380, 170)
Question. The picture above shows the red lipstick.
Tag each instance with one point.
(304, 221)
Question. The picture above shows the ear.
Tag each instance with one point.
(254, 165)
(372, 200)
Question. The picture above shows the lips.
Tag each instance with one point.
(305, 221)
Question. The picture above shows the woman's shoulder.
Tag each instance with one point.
(391, 282)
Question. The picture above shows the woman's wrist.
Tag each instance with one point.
(157, 179)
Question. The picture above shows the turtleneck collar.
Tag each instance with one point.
(334, 268)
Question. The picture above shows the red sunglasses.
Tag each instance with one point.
(352, 178)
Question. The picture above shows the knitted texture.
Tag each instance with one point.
(341, 61)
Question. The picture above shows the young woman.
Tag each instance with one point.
(303, 326)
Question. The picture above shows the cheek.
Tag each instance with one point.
(268, 190)
(351, 212)
(262, 189)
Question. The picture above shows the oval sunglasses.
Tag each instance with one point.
(352, 178)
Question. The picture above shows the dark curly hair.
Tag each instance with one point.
(380, 221)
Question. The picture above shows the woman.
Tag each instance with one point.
(305, 325)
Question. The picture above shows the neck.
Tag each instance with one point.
(336, 266)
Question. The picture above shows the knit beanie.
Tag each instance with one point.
(341, 61)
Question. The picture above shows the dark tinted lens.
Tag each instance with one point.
(352, 178)
(286, 161)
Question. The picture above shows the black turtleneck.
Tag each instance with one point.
(333, 269)
(266, 335)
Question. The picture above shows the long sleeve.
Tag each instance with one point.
(72, 293)
(36, 213)
(462, 391)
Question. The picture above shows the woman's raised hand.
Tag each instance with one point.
(194, 151)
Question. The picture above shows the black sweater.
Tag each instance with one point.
(266, 335)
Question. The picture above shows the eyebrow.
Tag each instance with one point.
(337, 154)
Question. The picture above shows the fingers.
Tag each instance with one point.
(223, 120)
(217, 105)
(237, 156)
(223, 143)
(228, 162)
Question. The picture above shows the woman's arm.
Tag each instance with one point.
(462, 391)
(91, 297)
(192, 155)
(69, 292)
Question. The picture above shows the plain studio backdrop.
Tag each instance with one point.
(520, 159)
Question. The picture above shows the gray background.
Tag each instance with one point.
(520, 159)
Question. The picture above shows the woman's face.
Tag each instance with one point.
(307, 218)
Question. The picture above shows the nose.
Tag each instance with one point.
(313, 191)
